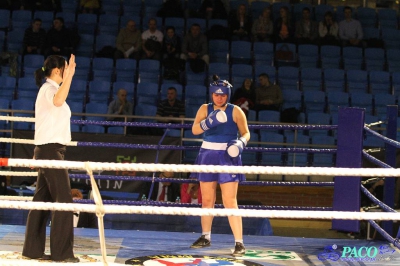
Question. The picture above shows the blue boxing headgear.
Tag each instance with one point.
(220, 87)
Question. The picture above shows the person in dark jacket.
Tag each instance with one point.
(245, 96)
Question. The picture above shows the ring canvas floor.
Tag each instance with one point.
(123, 245)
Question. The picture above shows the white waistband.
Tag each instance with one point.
(214, 145)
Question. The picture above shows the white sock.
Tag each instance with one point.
(207, 235)
(238, 241)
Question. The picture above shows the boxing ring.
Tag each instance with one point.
(345, 213)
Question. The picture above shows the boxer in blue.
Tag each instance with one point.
(222, 123)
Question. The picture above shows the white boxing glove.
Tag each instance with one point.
(235, 147)
(214, 119)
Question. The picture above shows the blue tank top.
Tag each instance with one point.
(224, 132)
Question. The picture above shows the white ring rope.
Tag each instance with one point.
(17, 118)
(11, 173)
(186, 168)
(30, 141)
(121, 209)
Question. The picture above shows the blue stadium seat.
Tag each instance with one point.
(269, 116)
(83, 67)
(374, 59)
(381, 101)
(362, 100)
(357, 81)
(96, 108)
(330, 56)
(387, 18)
(132, 8)
(115, 130)
(108, 24)
(31, 63)
(239, 73)
(336, 99)
(311, 79)
(314, 101)
(292, 99)
(323, 159)
(47, 18)
(7, 87)
(379, 82)
(85, 45)
(220, 69)
(201, 21)
(318, 118)
(288, 77)
(308, 55)
(78, 90)
(103, 68)
(352, 57)
(297, 159)
(98, 129)
(146, 110)
(393, 60)
(128, 86)
(31, 95)
(177, 23)
(4, 19)
(367, 16)
(125, 70)
(99, 91)
(216, 21)
(104, 40)
(196, 92)
(396, 83)
(391, 37)
(147, 89)
(149, 71)
(277, 141)
(14, 41)
(218, 51)
(27, 83)
(87, 23)
(240, 52)
(151, 7)
(334, 79)
(21, 19)
(263, 53)
(76, 107)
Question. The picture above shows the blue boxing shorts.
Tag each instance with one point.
(215, 154)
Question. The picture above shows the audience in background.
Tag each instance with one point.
(60, 40)
(350, 30)
(328, 30)
(171, 8)
(306, 29)
(195, 49)
(268, 96)
(263, 27)
(152, 41)
(213, 9)
(162, 191)
(89, 6)
(83, 219)
(245, 96)
(240, 24)
(34, 38)
(171, 52)
(283, 28)
(191, 193)
(171, 107)
(129, 42)
(120, 106)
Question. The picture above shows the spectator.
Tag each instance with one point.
(59, 39)
(34, 38)
(83, 219)
(120, 106)
(171, 107)
(213, 9)
(152, 41)
(129, 42)
(263, 27)
(89, 6)
(240, 24)
(245, 96)
(195, 49)
(162, 191)
(328, 30)
(268, 96)
(191, 193)
(171, 52)
(284, 31)
(350, 31)
(306, 29)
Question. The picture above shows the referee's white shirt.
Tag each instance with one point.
(52, 123)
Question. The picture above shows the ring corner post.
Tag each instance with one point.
(390, 158)
(347, 192)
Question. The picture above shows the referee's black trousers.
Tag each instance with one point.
(53, 185)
